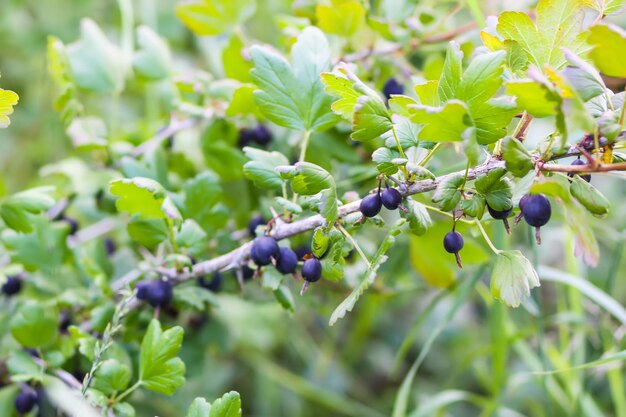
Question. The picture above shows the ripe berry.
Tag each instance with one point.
(158, 293)
(25, 400)
(255, 222)
(453, 243)
(302, 250)
(312, 270)
(501, 215)
(214, 285)
(287, 261)
(536, 210)
(391, 198)
(259, 134)
(12, 286)
(586, 177)
(263, 249)
(109, 246)
(392, 86)
(371, 205)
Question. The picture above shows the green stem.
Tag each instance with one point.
(402, 154)
(355, 244)
(622, 115)
(127, 392)
(484, 233)
(305, 145)
(427, 158)
(445, 213)
(172, 235)
(128, 21)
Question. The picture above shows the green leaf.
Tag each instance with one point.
(341, 18)
(605, 7)
(144, 197)
(192, 298)
(518, 160)
(88, 133)
(311, 179)
(447, 194)
(235, 65)
(537, 99)
(428, 93)
(442, 124)
(608, 43)
(8, 99)
(227, 406)
(328, 205)
(59, 68)
(22, 367)
(496, 189)
(320, 242)
(585, 79)
(452, 71)
(383, 158)
(261, 168)
(43, 249)
(213, 17)
(152, 61)
(369, 277)
(292, 95)
(340, 86)
(285, 298)
(148, 233)
(474, 207)
(203, 196)
(14, 210)
(199, 408)
(112, 376)
(559, 23)
(418, 217)
(96, 63)
(160, 370)
(35, 326)
(512, 278)
(191, 235)
(589, 196)
(370, 119)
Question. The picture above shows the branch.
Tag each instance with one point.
(174, 127)
(588, 168)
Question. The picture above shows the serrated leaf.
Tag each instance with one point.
(442, 124)
(605, 7)
(559, 23)
(418, 217)
(518, 160)
(148, 233)
(328, 205)
(199, 408)
(370, 119)
(474, 207)
(261, 168)
(383, 157)
(496, 189)
(608, 43)
(343, 18)
(537, 99)
(589, 196)
(370, 275)
(320, 242)
(35, 326)
(213, 17)
(311, 179)
(292, 95)
(153, 59)
(583, 77)
(144, 197)
(160, 370)
(96, 63)
(447, 194)
(229, 405)
(512, 278)
(451, 74)
(428, 93)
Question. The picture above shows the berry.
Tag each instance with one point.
(371, 205)
(586, 177)
(392, 86)
(247, 272)
(259, 134)
(12, 286)
(312, 270)
(536, 210)
(263, 249)
(158, 293)
(501, 215)
(25, 400)
(453, 243)
(391, 198)
(215, 284)
(302, 250)
(109, 246)
(287, 261)
(255, 222)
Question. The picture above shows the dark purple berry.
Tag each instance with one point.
(142, 288)
(255, 222)
(214, 285)
(65, 321)
(160, 293)
(501, 215)
(391, 198)
(536, 211)
(25, 400)
(287, 261)
(247, 272)
(263, 250)
(12, 286)
(586, 177)
(72, 223)
(109, 246)
(453, 243)
(392, 86)
(371, 205)
(302, 250)
(312, 270)
(261, 135)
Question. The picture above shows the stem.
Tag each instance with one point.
(484, 233)
(402, 154)
(522, 127)
(622, 115)
(172, 235)
(127, 392)
(305, 144)
(445, 213)
(427, 158)
(126, 11)
(355, 244)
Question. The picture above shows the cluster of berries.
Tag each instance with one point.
(258, 134)
(371, 204)
(157, 293)
(265, 251)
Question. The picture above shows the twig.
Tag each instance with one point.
(619, 166)
(174, 127)
(91, 232)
